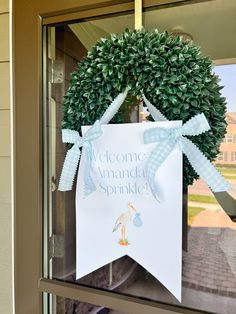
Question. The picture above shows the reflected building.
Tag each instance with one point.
(227, 155)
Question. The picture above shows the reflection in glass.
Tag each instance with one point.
(209, 264)
(212, 233)
(62, 305)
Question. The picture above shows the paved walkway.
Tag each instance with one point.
(210, 263)
(213, 217)
(199, 187)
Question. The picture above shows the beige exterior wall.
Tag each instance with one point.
(6, 287)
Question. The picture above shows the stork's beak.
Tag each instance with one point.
(132, 207)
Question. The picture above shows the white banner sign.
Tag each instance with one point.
(122, 217)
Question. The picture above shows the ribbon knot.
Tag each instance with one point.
(175, 133)
(82, 142)
(167, 139)
(73, 157)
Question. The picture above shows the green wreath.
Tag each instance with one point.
(172, 73)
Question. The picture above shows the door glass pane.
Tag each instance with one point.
(60, 305)
(209, 258)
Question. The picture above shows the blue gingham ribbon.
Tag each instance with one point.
(167, 140)
(73, 155)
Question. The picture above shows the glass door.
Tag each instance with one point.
(209, 258)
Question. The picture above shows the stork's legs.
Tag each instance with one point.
(123, 233)
(123, 240)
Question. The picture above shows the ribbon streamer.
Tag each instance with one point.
(167, 140)
(114, 107)
(154, 112)
(73, 155)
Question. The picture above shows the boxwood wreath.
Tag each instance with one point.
(173, 74)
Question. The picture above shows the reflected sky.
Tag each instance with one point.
(227, 73)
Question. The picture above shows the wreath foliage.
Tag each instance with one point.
(172, 73)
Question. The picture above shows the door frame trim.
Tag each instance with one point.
(112, 8)
(120, 302)
(227, 61)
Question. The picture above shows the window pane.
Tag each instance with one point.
(209, 264)
(208, 281)
(60, 305)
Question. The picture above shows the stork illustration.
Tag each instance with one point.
(122, 221)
